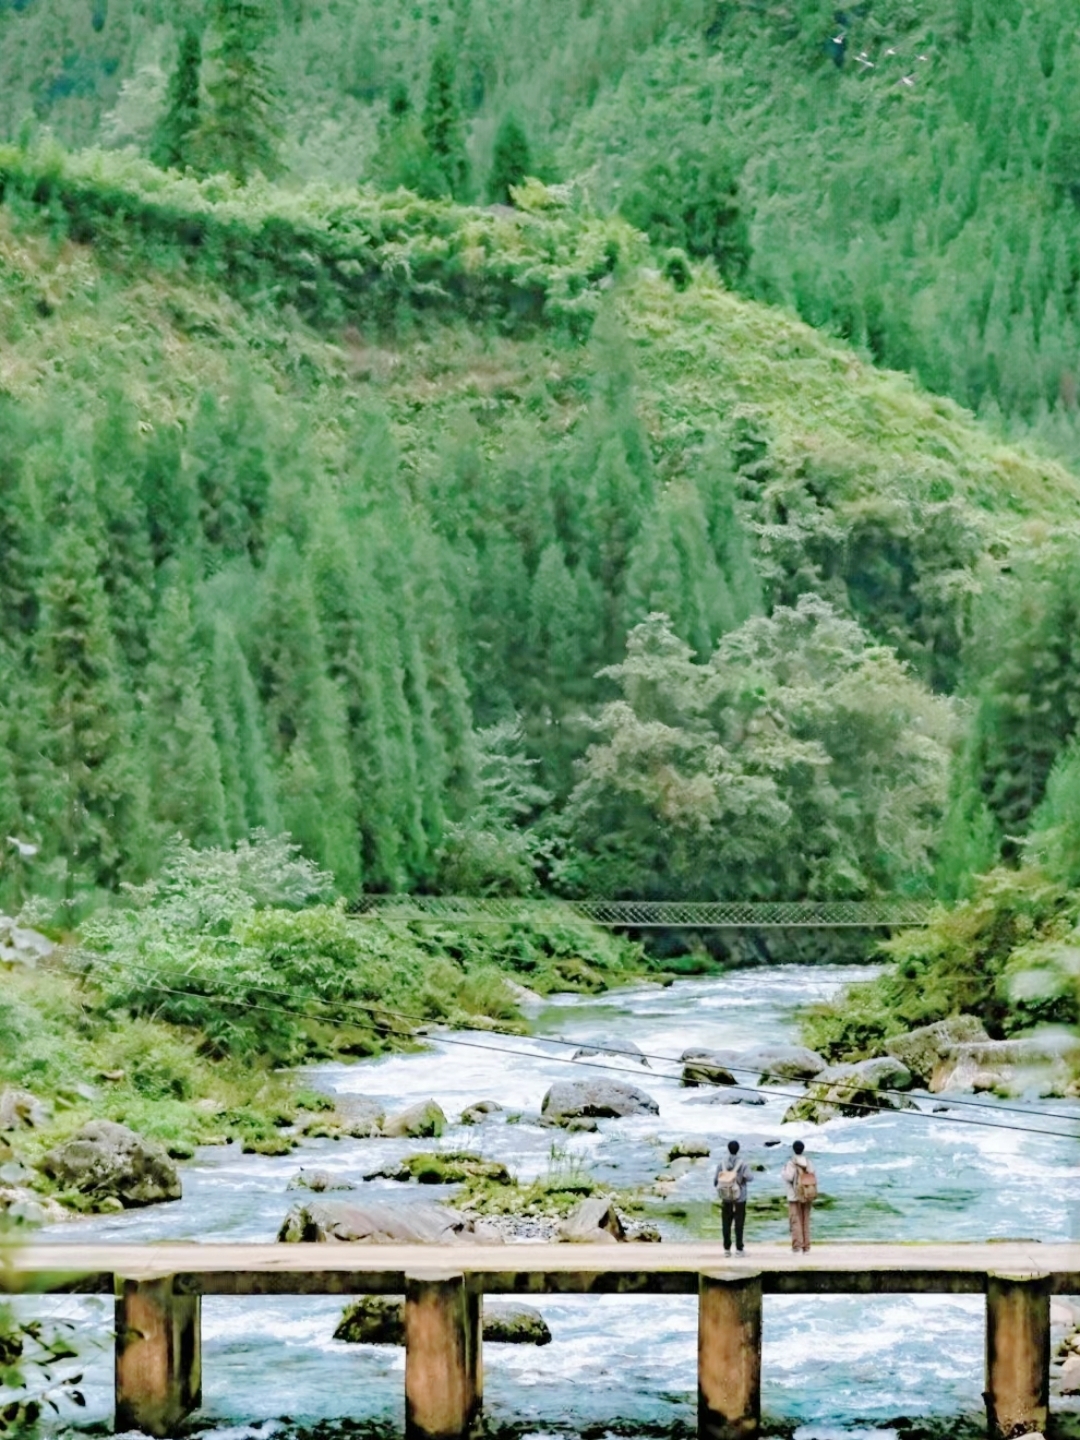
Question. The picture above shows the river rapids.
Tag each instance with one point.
(833, 1366)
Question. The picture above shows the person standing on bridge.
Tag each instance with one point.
(732, 1177)
(800, 1185)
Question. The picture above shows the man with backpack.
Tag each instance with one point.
(732, 1177)
(800, 1184)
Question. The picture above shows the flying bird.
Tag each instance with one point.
(24, 847)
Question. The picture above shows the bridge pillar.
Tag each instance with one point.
(443, 1360)
(158, 1355)
(1017, 1353)
(729, 1356)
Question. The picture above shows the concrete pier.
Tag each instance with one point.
(443, 1365)
(729, 1356)
(158, 1355)
(1017, 1353)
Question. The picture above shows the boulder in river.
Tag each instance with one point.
(318, 1181)
(599, 1099)
(105, 1160)
(706, 1067)
(923, 1050)
(784, 1062)
(1039, 1064)
(479, 1110)
(1069, 1381)
(380, 1320)
(616, 1049)
(689, 1150)
(448, 1167)
(729, 1095)
(853, 1091)
(20, 1110)
(593, 1221)
(354, 1222)
(422, 1121)
(359, 1115)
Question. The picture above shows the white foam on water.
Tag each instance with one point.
(836, 1365)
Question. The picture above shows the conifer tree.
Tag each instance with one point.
(1054, 840)
(442, 127)
(510, 161)
(306, 719)
(246, 774)
(240, 133)
(171, 145)
(89, 785)
(183, 765)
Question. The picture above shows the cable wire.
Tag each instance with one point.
(867, 1107)
(373, 1008)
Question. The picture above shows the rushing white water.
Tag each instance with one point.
(839, 1366)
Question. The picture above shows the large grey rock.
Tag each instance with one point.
(1070, 1376)
(707, 1067)
(689, 1150)
(353, 1222)
(318, 1181)
(730, 1095)
(570, 1099)
(20, 1205)
(419, 1122)
(360, 1116)
(19, 1110)
(768, 1062)
(380, 1320)
(923, 1050)
(593, 1221)
(106, 1160)
(854, 1091)
(479, 1110)
(617, 1049)
(1041, 1064)
(784, 1062)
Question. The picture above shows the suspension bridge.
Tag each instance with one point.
(886, 913)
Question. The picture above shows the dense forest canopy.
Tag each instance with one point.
(395, 450)
(905, 176)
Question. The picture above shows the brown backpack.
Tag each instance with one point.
(805, 1183)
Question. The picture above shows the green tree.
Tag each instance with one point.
(510, 161)
(183, 764)
(1053, 843)
(246, 772)
(796, 724)
(172, 141)
(91, 787)
(443, 129)
(306, 718)
(691, 200)
(239, 133)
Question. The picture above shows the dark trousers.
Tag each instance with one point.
(732, 1210)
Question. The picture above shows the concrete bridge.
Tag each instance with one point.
(158, 1290)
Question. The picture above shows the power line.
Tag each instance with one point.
(577, 1064)
(373, 1008)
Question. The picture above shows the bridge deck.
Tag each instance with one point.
(241, 1269)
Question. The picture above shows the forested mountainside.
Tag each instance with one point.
(479, 554)
(906, 176)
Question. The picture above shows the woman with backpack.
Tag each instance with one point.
(732, 1178)
(800, 1184)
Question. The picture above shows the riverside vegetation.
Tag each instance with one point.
(479, 527)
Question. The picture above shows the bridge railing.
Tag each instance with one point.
(888, 913)
(158, 1293)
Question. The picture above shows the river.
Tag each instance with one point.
(833, 1366)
